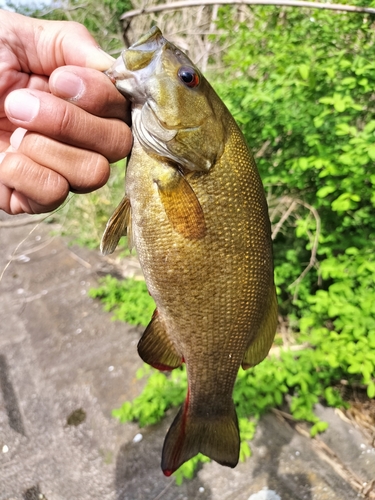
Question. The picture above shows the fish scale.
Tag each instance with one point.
(195, 209)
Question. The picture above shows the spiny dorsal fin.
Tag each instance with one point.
(117, 226)
(181, 205)
(259, 348)
(156, 348)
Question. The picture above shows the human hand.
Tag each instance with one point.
(72, 118)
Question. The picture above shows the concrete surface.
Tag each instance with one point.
(64, 365)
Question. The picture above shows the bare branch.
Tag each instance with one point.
(289, 203)
(286, 214)
(286, 3)
(314, 249)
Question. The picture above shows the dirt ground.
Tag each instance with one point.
(64, 365)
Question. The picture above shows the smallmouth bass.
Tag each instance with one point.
(195, 210)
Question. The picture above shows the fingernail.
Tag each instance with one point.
(99, 60)
(16, 137)
(68, 85)
(21, 105)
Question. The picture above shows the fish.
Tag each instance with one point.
(196, 213)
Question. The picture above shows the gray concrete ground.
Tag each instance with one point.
(64, 365)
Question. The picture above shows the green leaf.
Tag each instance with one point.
(339, 103)
(371, 390)
(325, 191)
(371, 152)
(318, 427)
(304, 71)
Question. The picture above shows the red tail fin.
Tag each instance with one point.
(215, 436)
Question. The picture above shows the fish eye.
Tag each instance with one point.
(188, 76)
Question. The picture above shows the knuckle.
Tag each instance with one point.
(55, 188)
(64, 122)
(38, 183)
(94, 175)
(119, 141)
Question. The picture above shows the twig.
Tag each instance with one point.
(283, 415)
(286, 214)
(276, 351)
(286, 3)
(314, 247)
(329, 456)
(293, 202)
(262, 150)
(79, 259)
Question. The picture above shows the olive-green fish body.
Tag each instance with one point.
(196, 212)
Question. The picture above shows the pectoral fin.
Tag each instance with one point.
(258, 349)
(181, 204)
(156, 348)
(118, 225)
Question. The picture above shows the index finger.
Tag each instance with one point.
(43, 46)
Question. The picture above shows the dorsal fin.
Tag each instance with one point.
(259, 348)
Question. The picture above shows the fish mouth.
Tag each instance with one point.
(150, 41)
(136, 64)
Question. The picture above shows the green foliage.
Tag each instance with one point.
(302, 91)
(128, 299)
(341, 319)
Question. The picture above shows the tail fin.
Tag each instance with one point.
(217, 437)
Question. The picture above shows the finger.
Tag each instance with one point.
(76, 44)
(84, 170)
(44, 188)
(91, 90)
(17, 203)
(53, 117)
(5, 195)
(13, 203)
(47, 45)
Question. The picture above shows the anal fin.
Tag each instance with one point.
(259, 348)
(118, 225)
(156, 348)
